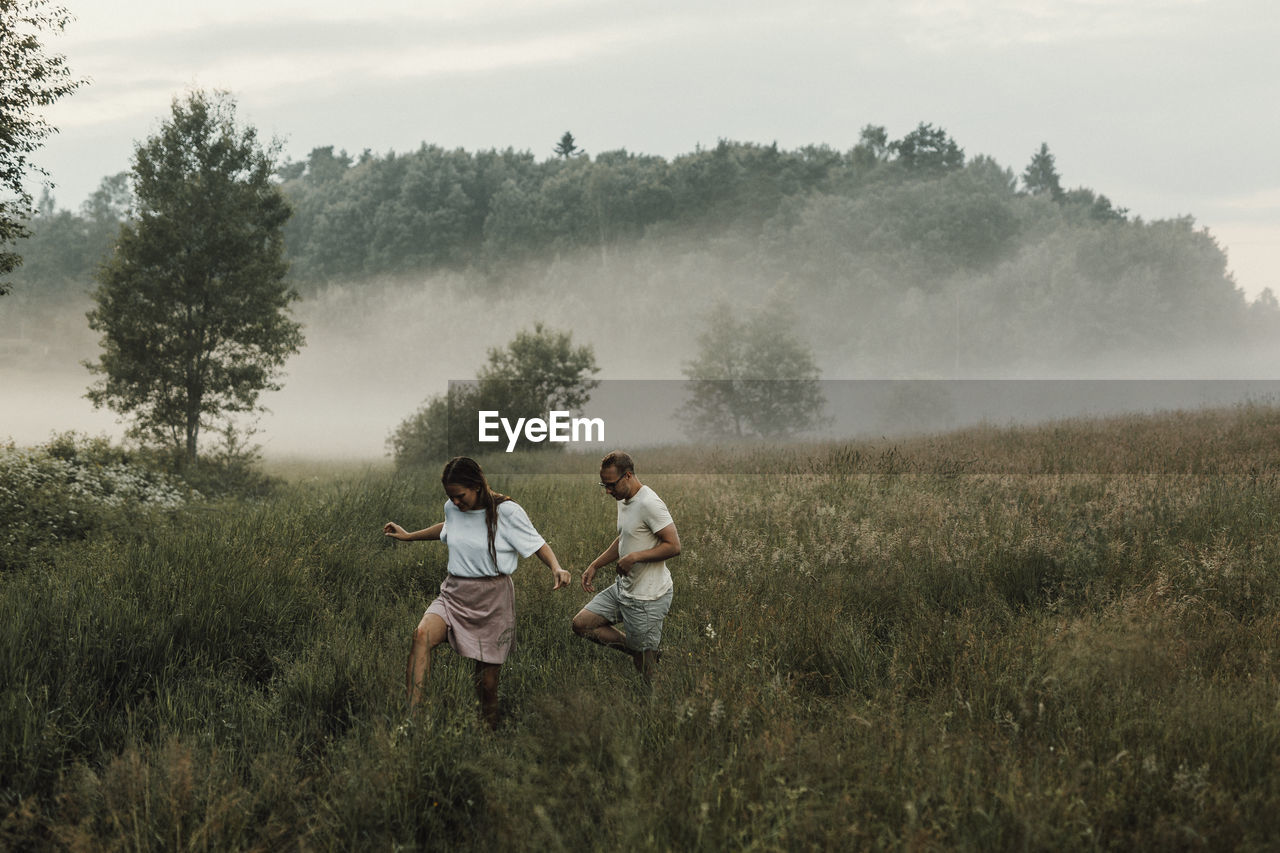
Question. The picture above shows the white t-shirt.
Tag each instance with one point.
(468, 539)
(640, 517)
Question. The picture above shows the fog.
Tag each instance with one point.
(375, 350)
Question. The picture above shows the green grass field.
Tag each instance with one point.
(1063, 637)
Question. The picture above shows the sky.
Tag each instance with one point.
(1166, 106)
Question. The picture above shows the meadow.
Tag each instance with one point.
(1041, 638)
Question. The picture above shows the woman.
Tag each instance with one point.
(487, 533)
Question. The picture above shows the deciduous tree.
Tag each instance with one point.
(928, 149)
(193, 304)
(537, 372)
(752, 378)
(30, 79)
(872, 148)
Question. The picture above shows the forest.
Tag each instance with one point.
(907, 257)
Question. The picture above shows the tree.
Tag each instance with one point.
(323, 166)
(29, 79)
(928, 149)
(537, 373)
(430, 435)
(872, 148)
(567, 147)
(193, 305)
(1096, 207)
(1040, 177)
(752, 377)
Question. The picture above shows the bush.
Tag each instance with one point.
(423, 439)
(65, 489)
(230, 468)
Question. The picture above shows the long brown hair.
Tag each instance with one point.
(465, 471)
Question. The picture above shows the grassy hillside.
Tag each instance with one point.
(1052, 638)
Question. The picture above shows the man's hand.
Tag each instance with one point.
(587, 576)
(625, 564)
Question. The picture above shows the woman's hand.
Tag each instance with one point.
(548, 558)
(395, 531)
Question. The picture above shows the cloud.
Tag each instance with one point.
(943, 25)
(1259, 201)
(131, 75)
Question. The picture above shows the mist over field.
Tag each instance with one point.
(376, 349)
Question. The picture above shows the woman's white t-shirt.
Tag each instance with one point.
(468, 539)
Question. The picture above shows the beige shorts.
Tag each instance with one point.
(641, 620)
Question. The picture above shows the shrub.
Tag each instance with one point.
(66, 488)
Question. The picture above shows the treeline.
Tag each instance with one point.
(437, 208)
(64, 247)
(906, 249)
(433, 208)
(379, 215)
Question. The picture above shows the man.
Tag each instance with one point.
(641, 596)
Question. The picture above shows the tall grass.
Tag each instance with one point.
(1053, 638)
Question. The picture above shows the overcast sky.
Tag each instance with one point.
(1166, 106)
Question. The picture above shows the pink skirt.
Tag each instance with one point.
(480, 614)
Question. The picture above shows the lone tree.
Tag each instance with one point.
(193, 305)
(752, 378)
(539, 371)
(29, 79)
(567, 147)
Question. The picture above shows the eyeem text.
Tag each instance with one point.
(559, 427)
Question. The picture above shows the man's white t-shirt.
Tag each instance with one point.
(468, 539)
(640, 517)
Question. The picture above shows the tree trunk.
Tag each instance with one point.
(193, 429)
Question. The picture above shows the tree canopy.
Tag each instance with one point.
(30, 79)
(752, 377)
(912, 255)
(928, 149)
(567, 147)
(193, 305)
(1041, 176)
(537, 372)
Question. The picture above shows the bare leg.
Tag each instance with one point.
(647, 664)
(431, 632)
(597, 629)
(487, 692)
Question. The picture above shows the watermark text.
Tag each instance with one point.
(558, 427)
